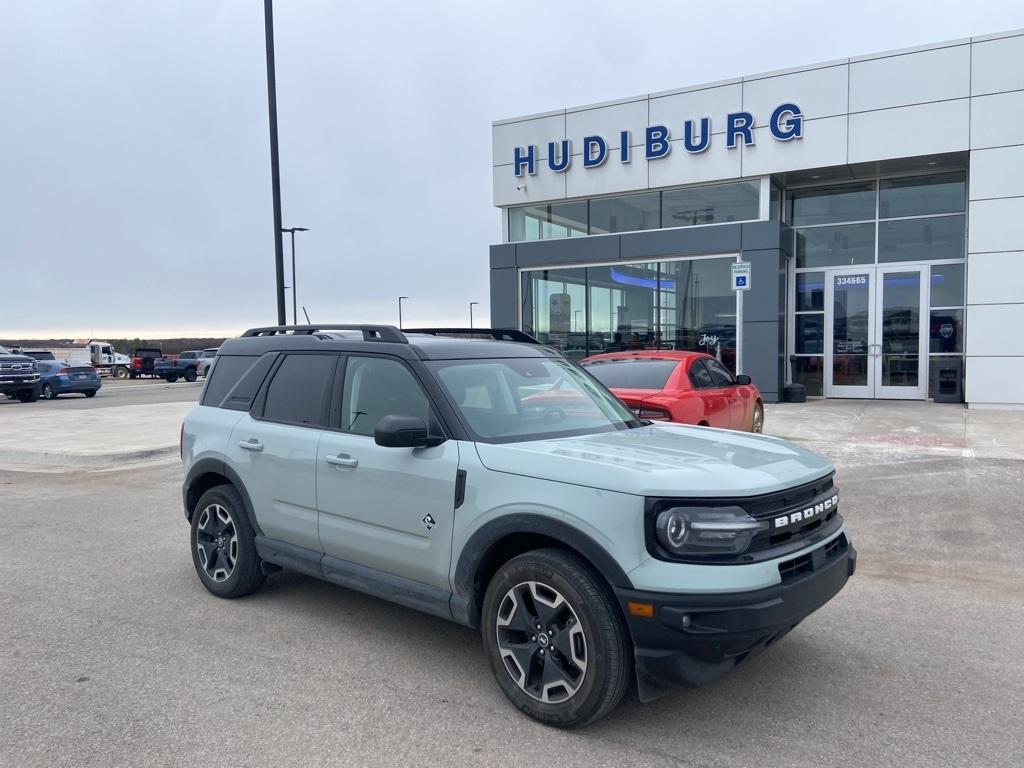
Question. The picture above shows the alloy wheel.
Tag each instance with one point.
(48, 392)
(541, 642)
(217, 542)
(758, 425)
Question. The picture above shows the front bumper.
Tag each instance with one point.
(693, 639)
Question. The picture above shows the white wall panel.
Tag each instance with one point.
(994, 380)
(818, 93)
(997, 65)
(715, 103)
(997, 120)
(914, 78)
(995, 225)
(544, 185)
(539, 131)
(680, 167)
(987, 277)
(923, 129)
(997, 172)
(823, 144)
(992, 330)
(613, 176)
(607, 122)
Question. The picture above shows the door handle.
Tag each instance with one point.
(342, 460)
(252, 444)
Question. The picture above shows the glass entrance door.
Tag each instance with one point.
(850, 331)
(901, 345)
(876, 342)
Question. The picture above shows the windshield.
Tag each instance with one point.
(4, 351)
(518, 399)
(632, 373)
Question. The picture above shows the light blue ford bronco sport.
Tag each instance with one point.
(482, 477)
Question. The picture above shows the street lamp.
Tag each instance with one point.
(471, 305)
(295, 303)
(400, 300)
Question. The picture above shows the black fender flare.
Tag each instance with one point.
(465, 600)
(218, 467)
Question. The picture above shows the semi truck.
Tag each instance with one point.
(99, 354)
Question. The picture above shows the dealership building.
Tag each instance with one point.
(856, 226)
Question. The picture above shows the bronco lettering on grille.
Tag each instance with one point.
(809, 513)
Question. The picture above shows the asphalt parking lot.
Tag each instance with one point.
(111, 652)
(115, 393)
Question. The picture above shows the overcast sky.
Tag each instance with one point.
(134, 161)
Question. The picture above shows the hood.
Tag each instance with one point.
(663, 460)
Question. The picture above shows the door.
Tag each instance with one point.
(901, 345)
(391, 509)
(274, 448)
(726, 383)
(850, 333)
(714, 395)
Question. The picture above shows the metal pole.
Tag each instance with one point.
(400, 300)
(275, 170)
(295, 311)
(471, 304)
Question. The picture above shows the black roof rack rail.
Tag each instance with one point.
(498, 334)
(370, 332)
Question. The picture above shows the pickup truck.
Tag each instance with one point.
(185, 366)
(142, 361)
(19, 376)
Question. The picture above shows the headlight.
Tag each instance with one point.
(705, 531)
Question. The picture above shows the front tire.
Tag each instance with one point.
(190, 375)
(223, 544)
(757, 423)
(575, 668)
(28, 395)
(120, 372)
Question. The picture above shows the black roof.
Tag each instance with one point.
(422, 344)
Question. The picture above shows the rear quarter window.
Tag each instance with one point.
(632, 374)
(225, 375)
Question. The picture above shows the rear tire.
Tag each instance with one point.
(190, 375)
(575, 669)
(133, 375)
(224, 545)
(91, 392)
(170, 379)
(48, 392)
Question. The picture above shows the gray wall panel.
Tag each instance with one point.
(760, 235)
(568, 250)
(690, 241)
(766, 298)
(503, 255)
(504, 313)
(762, 360)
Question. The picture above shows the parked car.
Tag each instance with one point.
(594, 551)
(143, 360)
(19, 376)
(207, 356)
(683, 387)
(184, 366)
(57, 378)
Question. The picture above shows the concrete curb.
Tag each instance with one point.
(85, 460)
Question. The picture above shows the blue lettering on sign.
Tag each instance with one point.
(786, 124)
(657, 142)
(595, 151)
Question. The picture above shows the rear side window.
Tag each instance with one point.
(225, 374)
(700, 377)
(632, 374)
(297, 392)
(376, 387)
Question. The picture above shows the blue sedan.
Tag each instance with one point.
(57, 378)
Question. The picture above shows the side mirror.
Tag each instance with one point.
(397, 431)
(743, 379)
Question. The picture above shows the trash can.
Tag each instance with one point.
(947, 384)
(794, 393)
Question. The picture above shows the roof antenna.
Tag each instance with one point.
(308, 321)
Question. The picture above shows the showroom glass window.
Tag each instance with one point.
(684, 304)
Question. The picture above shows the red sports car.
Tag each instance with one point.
(685, 387)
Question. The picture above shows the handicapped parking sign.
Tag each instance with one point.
(741, 276)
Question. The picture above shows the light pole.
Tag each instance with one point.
(295, 304)
(275, 168)
(471, 305)
(400, 300)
